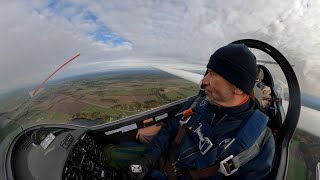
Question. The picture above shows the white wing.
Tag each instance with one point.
(309, 118)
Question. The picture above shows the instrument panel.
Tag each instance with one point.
(86, 161)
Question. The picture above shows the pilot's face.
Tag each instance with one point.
(218, 90)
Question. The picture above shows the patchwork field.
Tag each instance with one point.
(104, 97)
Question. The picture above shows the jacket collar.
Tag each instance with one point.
(233, 110)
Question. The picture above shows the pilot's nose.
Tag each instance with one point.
(205, 80)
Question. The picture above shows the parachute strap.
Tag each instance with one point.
(251, 136)
(231, 164)
(253, 151)
(182, 131)
(195, 102)
(167, 161)
(251, 129)
(186, 114)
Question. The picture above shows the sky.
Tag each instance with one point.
(38, 36)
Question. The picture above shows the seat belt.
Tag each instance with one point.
(232, 163)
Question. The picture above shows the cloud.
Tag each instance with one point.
(35, 43)
(40, 36)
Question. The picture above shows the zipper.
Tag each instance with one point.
(218, 124)
(212, 118)
(179, 158)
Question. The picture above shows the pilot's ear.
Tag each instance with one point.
(238, 91)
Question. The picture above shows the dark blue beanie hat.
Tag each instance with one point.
(237, 64)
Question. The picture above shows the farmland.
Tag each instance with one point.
(107, 97)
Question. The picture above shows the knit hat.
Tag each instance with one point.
(237, 64)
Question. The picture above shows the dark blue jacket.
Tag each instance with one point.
(225, 122)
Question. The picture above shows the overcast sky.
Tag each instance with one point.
(38, 36)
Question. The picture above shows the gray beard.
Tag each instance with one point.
(207, 99)
(212, 103)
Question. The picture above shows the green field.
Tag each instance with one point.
(297, 170)
(105, 97)
(304, 155)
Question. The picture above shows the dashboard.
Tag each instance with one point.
(86, 161)
(60, 154)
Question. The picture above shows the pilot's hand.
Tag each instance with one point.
(139, 168)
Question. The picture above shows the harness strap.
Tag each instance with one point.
(167, 168)
(166, 162)
(177, 141)
(251, 129)
(230, 164)
(253, 151)
(252, 144)
(201, 173)
(181, 133)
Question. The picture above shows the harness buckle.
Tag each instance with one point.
(227, 167)
(198, 131)
(204, 142)
(205, 145)
(183, 120)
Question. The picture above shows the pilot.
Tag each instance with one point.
(218, 136)
(264, 90)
